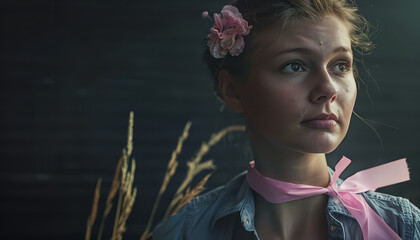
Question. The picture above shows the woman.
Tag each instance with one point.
(287, 68)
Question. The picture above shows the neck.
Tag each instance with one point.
(286, 220)
(292, 166)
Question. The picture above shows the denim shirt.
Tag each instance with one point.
(215, 215)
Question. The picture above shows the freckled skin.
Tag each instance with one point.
(275, 103)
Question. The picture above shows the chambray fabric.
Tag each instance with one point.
(213, 215)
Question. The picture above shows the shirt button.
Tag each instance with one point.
(247, 221)
(333, 228)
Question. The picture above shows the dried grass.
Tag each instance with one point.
(130, 134)
(124, 178)
(122, 183)
(126, 200)
(92, 217)
(114, 189)
(190, 194)
(195, 166)
(127, 194)
(170, 171)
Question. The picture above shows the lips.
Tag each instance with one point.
(322, 121)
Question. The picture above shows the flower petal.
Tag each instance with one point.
(228, 42)
(237, 47)
(218, 22)
(232, 9)
(217, 51)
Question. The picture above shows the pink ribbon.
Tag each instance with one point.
(372, 225)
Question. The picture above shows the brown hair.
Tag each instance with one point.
(264, 13)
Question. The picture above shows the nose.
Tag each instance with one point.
(324, 89)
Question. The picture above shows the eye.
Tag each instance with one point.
(293, 67)
(341, 67)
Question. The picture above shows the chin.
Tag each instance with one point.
(316, 149)
(320, 145)
(324, 149)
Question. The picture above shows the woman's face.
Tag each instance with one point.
(300, 90)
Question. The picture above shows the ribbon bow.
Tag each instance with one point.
(372, 225)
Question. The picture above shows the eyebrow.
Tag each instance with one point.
(308, 50)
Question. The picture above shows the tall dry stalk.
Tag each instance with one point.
(126, 200)
(195, 166)
(114, 189)
(170, 171)
(92, 217)
(126, 195)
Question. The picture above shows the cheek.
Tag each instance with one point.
(270, 105)
(349, 98)
(268, 96)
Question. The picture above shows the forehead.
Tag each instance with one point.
(323, 35)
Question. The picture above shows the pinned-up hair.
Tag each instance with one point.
(264, 13)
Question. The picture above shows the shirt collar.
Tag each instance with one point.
(242, 201)
(238, 201)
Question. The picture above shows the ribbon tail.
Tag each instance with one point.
(339, 168)
(372, 225)
(382, 175)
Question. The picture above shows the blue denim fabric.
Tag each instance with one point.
(213, 215)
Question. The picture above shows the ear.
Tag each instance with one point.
(230, 91)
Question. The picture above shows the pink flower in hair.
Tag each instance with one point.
(227, 33)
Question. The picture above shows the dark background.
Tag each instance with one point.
(72, 70)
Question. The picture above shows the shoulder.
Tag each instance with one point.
(198, 214)
(399, 213)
